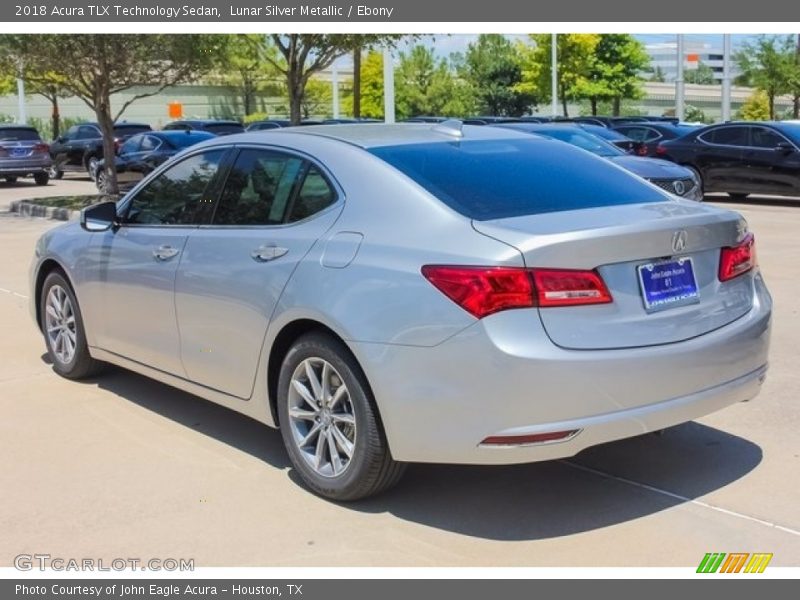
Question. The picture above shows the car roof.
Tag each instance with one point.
(373, 135)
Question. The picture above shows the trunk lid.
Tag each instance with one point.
(617, 241)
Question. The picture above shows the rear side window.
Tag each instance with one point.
(258, 188)
(493, 179)
(728, 136)
(23, 134)
(315, 194)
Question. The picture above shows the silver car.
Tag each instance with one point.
(404, 293)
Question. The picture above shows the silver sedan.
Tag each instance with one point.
(388, 294)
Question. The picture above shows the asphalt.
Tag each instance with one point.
(123, 466)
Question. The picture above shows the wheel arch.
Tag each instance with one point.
(47, 266)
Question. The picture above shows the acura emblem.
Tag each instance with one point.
(679, 187)
(679, 241)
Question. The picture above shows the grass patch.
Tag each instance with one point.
(72, 202)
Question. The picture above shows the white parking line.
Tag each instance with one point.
(669, 494)
(13, 293)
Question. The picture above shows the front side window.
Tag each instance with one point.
(766, 138)
(178, 195)
(258, 188)
(86, 132)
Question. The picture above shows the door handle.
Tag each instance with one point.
(266, 253)
(165, 252)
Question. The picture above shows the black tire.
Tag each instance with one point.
(738, 197)
(371, 468)
(81, 364)
(11, 179)
(41, 178)
(91, 166)
(101, 181)
(54, 173)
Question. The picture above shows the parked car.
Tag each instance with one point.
(425, 119)
(651, 134)
(79, 149)
(142, 153)
(278, 123)
(666, 175)
(23, 154)
(215, 126)
(615, 137)
(483, 296)
(605, 121)
(488, 120)
(741, 158)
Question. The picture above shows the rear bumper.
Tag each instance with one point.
(23, 169)
(503, 377)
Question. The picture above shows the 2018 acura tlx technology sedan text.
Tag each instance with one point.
(389, 294)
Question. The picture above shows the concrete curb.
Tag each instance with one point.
(29, 208)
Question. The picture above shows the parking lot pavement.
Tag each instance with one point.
(123, 466)
(70, 185)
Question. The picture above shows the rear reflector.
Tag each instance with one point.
(482, 291)
(524, 440)
(737, 260)
(561, 287)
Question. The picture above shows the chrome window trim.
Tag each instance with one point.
(700, 139)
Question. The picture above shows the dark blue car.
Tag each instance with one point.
(142, 153)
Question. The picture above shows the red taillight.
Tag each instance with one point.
(641, 149)
(41, 149)
(482, 291)
(660, 150)
(737, 260)
(561, 287)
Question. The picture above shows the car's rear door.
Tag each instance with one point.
(719, 156)
(132, 267)
(273, 208)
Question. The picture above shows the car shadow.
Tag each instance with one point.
(603, 486)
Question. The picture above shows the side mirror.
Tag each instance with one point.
(61, 139)
(784, 148)
(99, 217)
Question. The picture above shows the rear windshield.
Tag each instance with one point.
(126, 130)
(23, 134)
(223, 128)
(494, 179)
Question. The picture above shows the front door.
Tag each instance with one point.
(137, 262)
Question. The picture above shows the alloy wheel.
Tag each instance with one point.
(60, 324)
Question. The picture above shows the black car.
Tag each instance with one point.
(604, 121)
(670, 177)
(81, 146)
(488, 120)
(215, 126)
(142, 153)
(280, 123)
(23, 154)
(741, 158)
(651, 133)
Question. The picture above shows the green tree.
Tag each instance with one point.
(302, 55)
(768, 64)
(427, 86)
(93, 67)
(493, 69)
(244, 67)
(702, 75)
(658, 75)
(756, 107)
(614, 71)
(576, 57)
(317, 99)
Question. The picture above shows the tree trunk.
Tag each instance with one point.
(771, 106)
(563, 100)
(593, 100)
(357, 83)
(796, 107)
(106, 122)
(296, 90)
(56, 118)
(615, 107)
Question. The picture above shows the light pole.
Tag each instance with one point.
(335, 90)
(22, 118)
(679, 85)
(726, 77)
